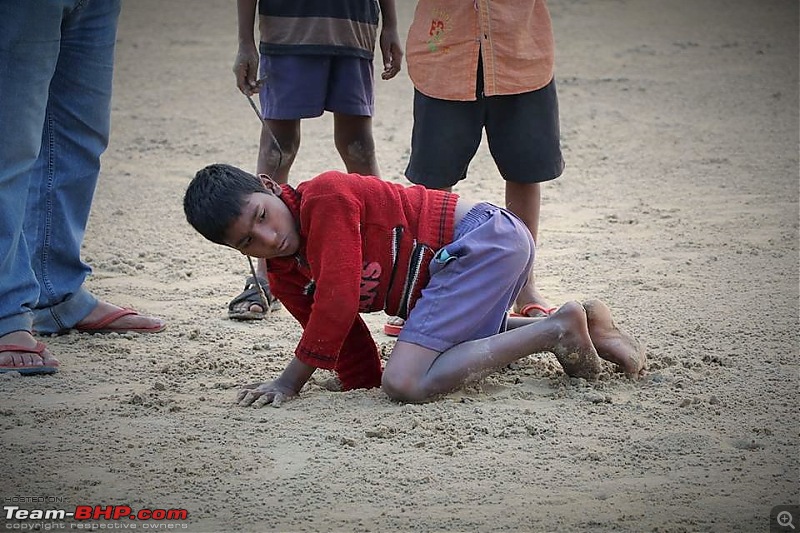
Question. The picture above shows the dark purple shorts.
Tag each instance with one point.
(474, 281)
(304, 86)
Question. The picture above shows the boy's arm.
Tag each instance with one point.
(358, 365)
(333, 249)
(391, 49)
(288, 286)
(245, 66)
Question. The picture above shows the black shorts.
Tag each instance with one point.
(522, 131)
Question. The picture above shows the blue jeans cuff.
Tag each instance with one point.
(63, 316)
(20, 322)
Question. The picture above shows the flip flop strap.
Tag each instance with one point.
(38, 349)
(108, 319)
(536, 307)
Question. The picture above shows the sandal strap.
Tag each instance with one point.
(108, 319)
(38, 349)
(251, 294)
(250, 283)
(536, 307)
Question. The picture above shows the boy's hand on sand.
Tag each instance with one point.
(245, 67)
(261, 394)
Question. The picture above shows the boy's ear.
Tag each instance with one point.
(271, 185)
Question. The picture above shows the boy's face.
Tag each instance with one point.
(266, 227)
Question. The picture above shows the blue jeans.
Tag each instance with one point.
(56, 65)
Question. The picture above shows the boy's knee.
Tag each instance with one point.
(286, 151)
(357, 152)
(402, 388)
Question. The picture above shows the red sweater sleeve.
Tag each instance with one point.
(358, 365)
(333, 251)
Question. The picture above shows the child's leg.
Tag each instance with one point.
(277, 148)
(524, 200)
(473, 281)
(416, 374)
(523, 135)
(350, 96)
(293, 88)
(353, 137)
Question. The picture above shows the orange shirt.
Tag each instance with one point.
(515, 38)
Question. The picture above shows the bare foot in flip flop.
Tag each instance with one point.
(535, 304)
(534, 311)
(20, 352)
(249, 305)
(613, 344)
(109, 318)
(394, 325)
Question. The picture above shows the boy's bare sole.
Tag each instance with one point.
(613, 344)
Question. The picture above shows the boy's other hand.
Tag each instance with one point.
(392, 53)
(245, 67)
(261, 394)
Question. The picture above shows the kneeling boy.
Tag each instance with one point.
(343, 244)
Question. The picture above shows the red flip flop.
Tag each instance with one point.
(102, 325)
(546, 311)
(28, 369)
(393, 330)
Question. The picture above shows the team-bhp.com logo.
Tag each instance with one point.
(94, 512)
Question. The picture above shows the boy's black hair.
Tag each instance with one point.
(215, 197)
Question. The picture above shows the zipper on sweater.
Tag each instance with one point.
(397, 234)
(414, 265)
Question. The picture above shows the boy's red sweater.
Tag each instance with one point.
(365, 245)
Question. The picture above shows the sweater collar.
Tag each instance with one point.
(291, 198)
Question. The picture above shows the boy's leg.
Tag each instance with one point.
(355, 143)
(524, 139)
(417, 374)
(524, 200)
(483, 270)
(277, 148)
(351, 98)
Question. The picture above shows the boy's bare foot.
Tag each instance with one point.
(613, 344)
(574, 349)
(20, 352)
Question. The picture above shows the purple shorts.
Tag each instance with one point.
(304, 86)
(474, 281)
